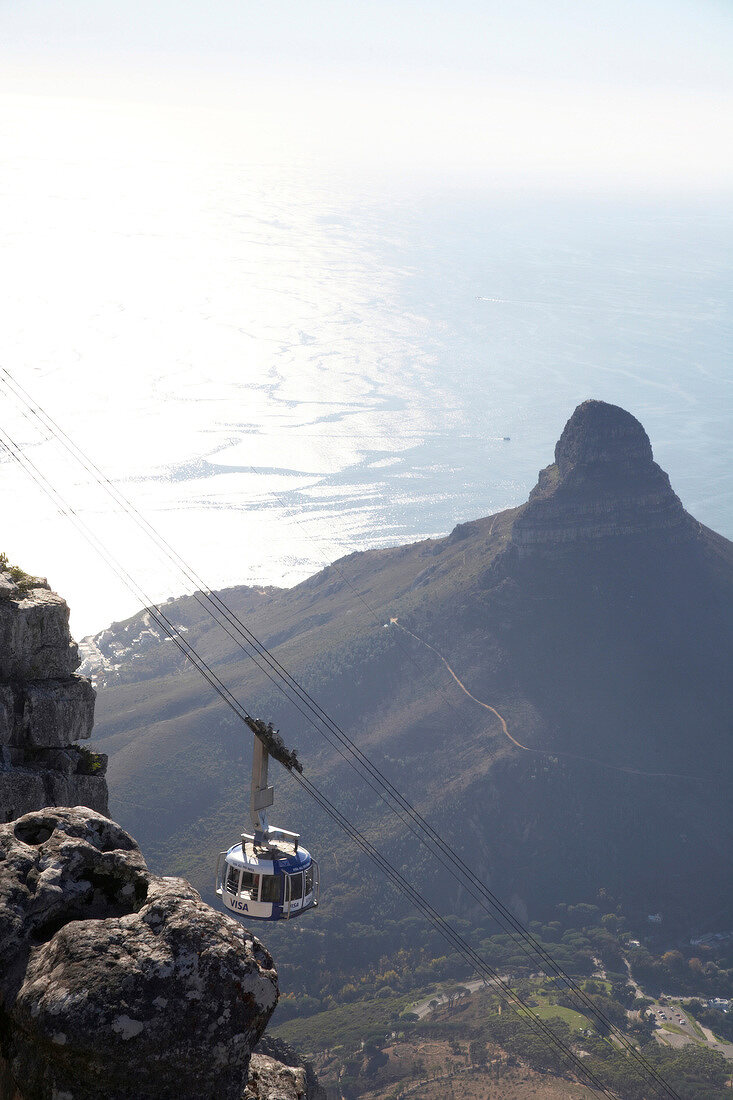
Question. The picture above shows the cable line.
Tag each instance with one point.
(435, 844)
(453, 937)
(347, 749)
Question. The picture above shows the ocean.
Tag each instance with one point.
(279, 366)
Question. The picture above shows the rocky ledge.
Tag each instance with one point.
(44, 707)
(277, 1072)
(603, 483)
(117, 983)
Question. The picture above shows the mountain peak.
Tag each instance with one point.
(601, 433)
(604, 483)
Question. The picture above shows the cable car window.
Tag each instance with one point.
(296, 886)
(250, 885)
(309, 881)
(232, 883)
(272, 889)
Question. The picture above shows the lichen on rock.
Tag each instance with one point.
(115, 982)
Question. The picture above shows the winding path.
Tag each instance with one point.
(626, 769)
(462, 686)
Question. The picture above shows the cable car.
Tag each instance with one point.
(268, 875)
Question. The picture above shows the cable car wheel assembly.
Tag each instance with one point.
(268, 875)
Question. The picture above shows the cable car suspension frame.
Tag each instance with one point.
(268, 875)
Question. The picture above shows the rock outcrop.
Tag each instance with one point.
(117, 983)
(44, 707)
(273, 1080)
(277, 1072)
(114, 983)
(603, 483)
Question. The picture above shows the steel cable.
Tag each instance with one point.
(315, 714)
(450, 934)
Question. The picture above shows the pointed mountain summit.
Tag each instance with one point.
(603, 483)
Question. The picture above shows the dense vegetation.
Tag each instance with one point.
(353, 1006)
(484, 1033)
(691, 971)
(328, 962)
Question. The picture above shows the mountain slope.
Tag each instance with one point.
(595, 620)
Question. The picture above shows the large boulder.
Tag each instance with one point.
(115, 982)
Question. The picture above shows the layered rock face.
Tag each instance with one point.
(44, 707)
(117, 983)
(603, 483)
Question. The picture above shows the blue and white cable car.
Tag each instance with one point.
(267, 889)
(268, 875)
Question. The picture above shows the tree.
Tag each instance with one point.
(673, 960)
(477, 1052)
(624, 993)
(702, 1065)
(452, 991)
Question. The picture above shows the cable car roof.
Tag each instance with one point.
(288, 861)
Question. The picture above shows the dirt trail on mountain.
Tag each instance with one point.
(462, 686)
(541, 752)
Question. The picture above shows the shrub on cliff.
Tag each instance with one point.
(17, 575)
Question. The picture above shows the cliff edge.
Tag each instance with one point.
(115, 983)
(44, 707)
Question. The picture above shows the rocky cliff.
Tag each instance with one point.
(603, 484)
(44, 707)
(118, 984)
(115, 983)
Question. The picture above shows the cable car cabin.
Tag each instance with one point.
(268, 876)
(273, 882)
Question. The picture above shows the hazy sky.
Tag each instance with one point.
(673, 43)
(609, 92)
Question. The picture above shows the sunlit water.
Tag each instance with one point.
(279, 366)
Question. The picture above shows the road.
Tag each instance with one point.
(422, 1008)
(526, 748)
(672, 1015)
